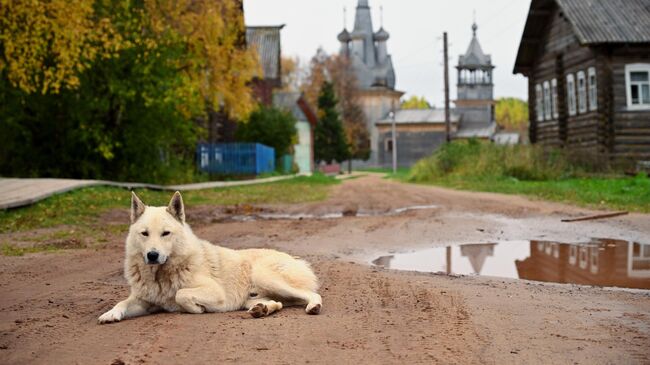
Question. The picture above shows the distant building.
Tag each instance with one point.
(266, 42)
(419, 133)
(475, 92)
(305, 122)
(588, 69)
(602, 262)
(373, 67)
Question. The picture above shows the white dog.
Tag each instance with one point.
(170, 269)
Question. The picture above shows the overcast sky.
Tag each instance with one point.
(415, 43)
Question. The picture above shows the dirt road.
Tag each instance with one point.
(49, 302)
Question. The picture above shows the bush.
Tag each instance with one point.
(272, 127)
(485, 160)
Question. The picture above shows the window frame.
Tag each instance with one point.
(571, 94)
(556, 111)
(582, 91)
(592, 89)
(546, 88)
(635, 67)
(539, 103)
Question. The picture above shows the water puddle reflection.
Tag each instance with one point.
(600, 262)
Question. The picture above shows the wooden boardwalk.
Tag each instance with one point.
(20, 192)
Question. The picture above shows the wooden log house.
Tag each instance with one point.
(588, 69)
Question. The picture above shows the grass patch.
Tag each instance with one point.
(11, 250)
(531, 171)
(81, 207)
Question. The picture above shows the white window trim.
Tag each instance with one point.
(631, 272)
(547, 100)
(592, 89)
(539, 103)
(582, 92)
(556, 112)
(628, 90)
(571, 94)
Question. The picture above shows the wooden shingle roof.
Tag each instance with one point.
(266, 41)
(608, 21)
(593, 22)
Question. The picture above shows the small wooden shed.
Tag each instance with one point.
(588, 69)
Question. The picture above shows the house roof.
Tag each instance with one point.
(420, 116)
(474, 56)
(266, 41)
(593, 22)
(296, 104)
(475, 130)
(608, 21)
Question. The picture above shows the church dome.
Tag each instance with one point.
(381, 35)
(344, 36)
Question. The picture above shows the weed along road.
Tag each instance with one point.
(382, 251)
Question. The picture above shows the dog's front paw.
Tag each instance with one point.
(112, 315)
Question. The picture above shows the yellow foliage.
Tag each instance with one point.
(415, 102)
(219, 65)
(511, 113)
(48, 43)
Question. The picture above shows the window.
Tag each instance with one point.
(573, 254)
(637, 85)
(571, 94)
(593, 259)
(583, 258)
(539, 103)
(638, 260)
(593, 90)
(556, 112)
(389, 145)
(582, 92)
(547, 100)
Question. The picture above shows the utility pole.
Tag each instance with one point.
(446, 63)
(394, 136)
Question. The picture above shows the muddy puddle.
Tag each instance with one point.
(348, 212)
(599, 262)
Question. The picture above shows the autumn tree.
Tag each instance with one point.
(511, 113)
(339, 71)
(293, 73)
(329, 138)
(111, 88)
(346, 88)
(415, 102)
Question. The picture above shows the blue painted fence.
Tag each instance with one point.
(235, 158)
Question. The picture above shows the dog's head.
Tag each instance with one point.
(156, 232)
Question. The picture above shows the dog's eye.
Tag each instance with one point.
(145, 233)
(165, 233)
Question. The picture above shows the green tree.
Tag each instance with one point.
(272, 127)
(415, 102)
(329, 138)
(112, 89)
(511, 113)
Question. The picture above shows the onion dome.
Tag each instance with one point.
(381, 35)
(344, 36)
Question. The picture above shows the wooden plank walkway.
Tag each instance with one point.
(16, 192)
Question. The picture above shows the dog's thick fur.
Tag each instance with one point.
(195, 276)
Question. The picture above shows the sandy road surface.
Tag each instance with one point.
(49, 302)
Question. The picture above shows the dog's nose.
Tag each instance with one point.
(152, 256)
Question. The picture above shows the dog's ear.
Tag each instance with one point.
(176, 207)
(137, 207)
